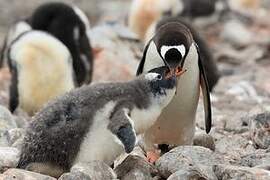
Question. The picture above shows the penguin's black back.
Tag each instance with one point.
(57, 131)
(60, 20)
(211, 69)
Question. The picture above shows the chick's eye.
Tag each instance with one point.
(159, 77)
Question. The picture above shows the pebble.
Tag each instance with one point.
(135, 167)
(9, 158)
(95, 170)
(228, 172)
(20, 174)
(260, 130)
(183, 157)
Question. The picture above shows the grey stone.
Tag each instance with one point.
(135, 167)
(6, 119)
(234, 146)
(260, 130)
(255, 159)
(95, 170)
(137, 151)
(7, 122)
(189, 174)
(204, 140)
(74, 176)
(137, 174)
(15, 137)
(20, 174)
(9, 158)
(229, 172)
(184, 157)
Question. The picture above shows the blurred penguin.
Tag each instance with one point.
(144, 12)
(41, 69)
(70, 25)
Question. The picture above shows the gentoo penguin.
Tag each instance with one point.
(211, 70)
(70, 25)
(95, 122)
(41, 69)
(173, 44)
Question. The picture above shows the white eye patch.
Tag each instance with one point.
(151, 76)
(181, 48)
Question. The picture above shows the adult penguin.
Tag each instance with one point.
(173, 44)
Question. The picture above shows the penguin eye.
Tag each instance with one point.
(159, 77)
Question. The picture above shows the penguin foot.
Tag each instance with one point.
(152, 156)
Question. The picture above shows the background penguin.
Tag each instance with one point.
(70, 25)
(95, 122)
(41, 69)
(144, 12)
(158, 13)
(173, 43)
(198, 8)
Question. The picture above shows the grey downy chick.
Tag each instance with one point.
(95, 122)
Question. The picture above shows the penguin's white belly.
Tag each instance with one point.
(40, 82)
(99, 143)
(44, 68)
(176, 124)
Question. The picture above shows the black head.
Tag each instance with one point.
(69, 25)
(173, 41)
(161, 81)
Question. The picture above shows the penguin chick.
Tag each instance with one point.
(95, 122)
(211, 69)
(41, 69)
(173, 44)
(70, 25)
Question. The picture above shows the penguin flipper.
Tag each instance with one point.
(120, 125)
(141, 65)
(13, 90)
(3, 52)
(87, 57)
(206, 95)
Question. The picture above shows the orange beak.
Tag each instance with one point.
(178, 71)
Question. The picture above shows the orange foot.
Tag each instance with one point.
(152, 156)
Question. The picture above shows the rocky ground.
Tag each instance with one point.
(238, 146)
